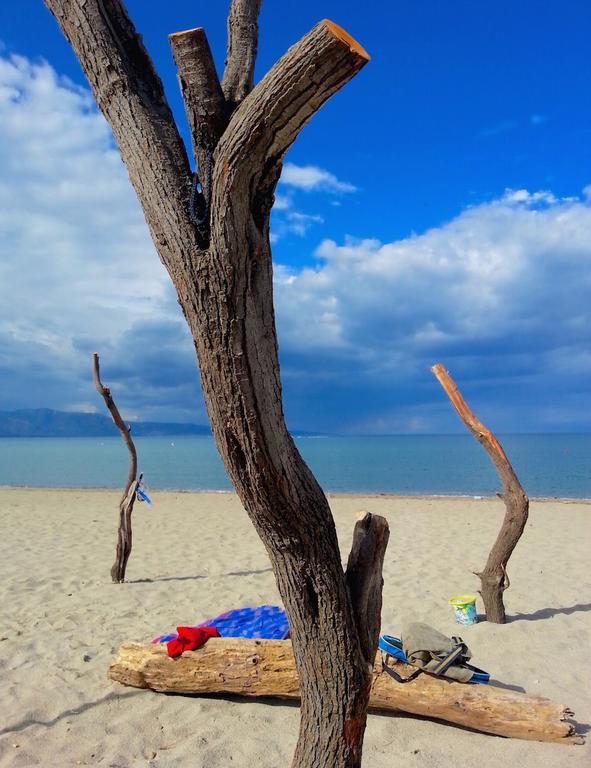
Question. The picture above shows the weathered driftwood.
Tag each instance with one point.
(493, 578)
(267, 668)
(124, 533)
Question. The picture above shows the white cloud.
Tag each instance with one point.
(500, 293)
(77, 266)
(530, 198)
(300, 223)
(282, 203)
(287, 219)
(311, 178)
(513, 272)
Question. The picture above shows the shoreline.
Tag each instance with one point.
(328, 494)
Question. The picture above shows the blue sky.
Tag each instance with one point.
(436, 210)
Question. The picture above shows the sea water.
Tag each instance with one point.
(548, 465)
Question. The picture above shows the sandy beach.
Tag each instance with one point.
(196, 555)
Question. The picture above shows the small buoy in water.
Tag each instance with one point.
(172, 445)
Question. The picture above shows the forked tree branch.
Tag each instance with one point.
(243, 36)
(247, 167)
(494, 577)
(204, 100)
(364, 578)
(294, 89)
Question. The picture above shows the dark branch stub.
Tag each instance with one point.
(207, 115)
(364, 578)
(124, 532)
(199, 210)
(494, 577)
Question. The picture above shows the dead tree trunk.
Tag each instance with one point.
(212, 234)
(124, 534)
(494, 578)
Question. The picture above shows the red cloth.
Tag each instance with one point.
(189, 639)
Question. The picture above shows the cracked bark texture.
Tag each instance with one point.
(243, 36)
(224, 287)
(203, 97)
(494, 579)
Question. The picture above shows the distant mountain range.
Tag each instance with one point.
(43, 422)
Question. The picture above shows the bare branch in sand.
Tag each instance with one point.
(124, 532)
(494, 578)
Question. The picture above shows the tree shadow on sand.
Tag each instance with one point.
(506, 686)
(193, 578)
(250, 573)
(548, 613)
(28, 723)
(165, 578)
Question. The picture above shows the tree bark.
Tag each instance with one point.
(124, 532)
(243, 35)
(234, 666)
(205, 105)
(494, 578)
(224, 286)
(237, 348)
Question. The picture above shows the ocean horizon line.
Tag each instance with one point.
(300, 435)
(327, 492)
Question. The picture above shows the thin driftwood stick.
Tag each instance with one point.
(243, 37)
(364, 578)
(267, 668)
(494, 578)
(124, 532)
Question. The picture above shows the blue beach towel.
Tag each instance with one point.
(265, 622)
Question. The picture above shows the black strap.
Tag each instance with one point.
(474, 669)
(395, 675)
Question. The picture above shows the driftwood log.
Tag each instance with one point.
(124, 532)
(267, 668)
(494, 578)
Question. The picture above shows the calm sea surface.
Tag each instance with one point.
(547, 465)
